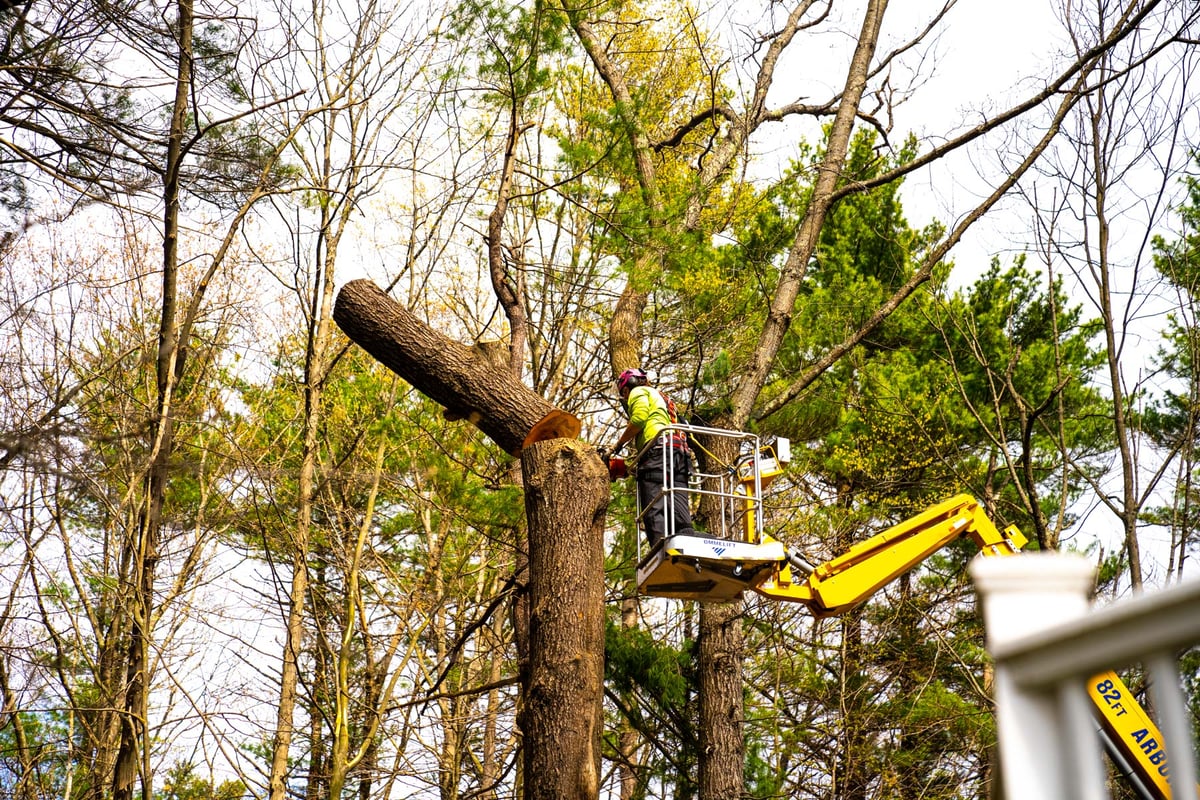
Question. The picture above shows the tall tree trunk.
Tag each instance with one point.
(1124, 429)
(25, 769)
(566, 497)
(449, 754)
(101, 722)
(298, 591)
(719, 654)
(316, 362)
(133, 754)
(719, 646)
(908, 673)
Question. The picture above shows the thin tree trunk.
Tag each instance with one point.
(343, 758)
(294, 636)
(628, 738)
(315, 366)
(1130, 502)
(491, 768)
(316, 676)
(133, 754)
(449, 755)
(24, 788)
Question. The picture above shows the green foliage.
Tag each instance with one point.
(1017, 330)
(927, 407)
(931, 404)
(1113, 567)
(1179, 260)
(513, 44)
(38, 761)
(656, 685)
(239, 159)
(866, 250)
(672, 88)
(1022, 359)
(118, 411)
(761, 777)
(634, 660)
(182, 782)
(435, 553)
(1172, 420)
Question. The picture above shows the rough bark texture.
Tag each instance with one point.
(719, 653)
(450, 373)
(566, 497)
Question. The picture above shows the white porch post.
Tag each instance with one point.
(1042, 757)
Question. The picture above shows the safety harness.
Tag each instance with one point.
(678, 438)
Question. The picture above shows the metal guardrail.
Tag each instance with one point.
(723, 482)
(1047, 642)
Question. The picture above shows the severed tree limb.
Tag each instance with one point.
(458, 376)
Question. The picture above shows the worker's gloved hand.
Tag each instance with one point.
(616, 469)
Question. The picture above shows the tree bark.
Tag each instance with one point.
(446, 371)
(566, 497)
(719, 654)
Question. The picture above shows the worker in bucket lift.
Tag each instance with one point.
(650, 411)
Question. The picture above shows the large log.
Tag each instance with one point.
(461, 378)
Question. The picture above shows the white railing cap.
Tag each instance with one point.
(1029, 592)
(1046, 638)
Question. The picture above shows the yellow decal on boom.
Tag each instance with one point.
(1131, 731)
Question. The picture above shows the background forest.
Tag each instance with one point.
(240, 558)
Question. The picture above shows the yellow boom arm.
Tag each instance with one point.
(843, 582)
(717, 569)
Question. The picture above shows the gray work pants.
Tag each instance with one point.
(663, 491)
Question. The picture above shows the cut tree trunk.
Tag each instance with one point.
(566, 497)
(566, 494)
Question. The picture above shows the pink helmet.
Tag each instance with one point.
(631, 378)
